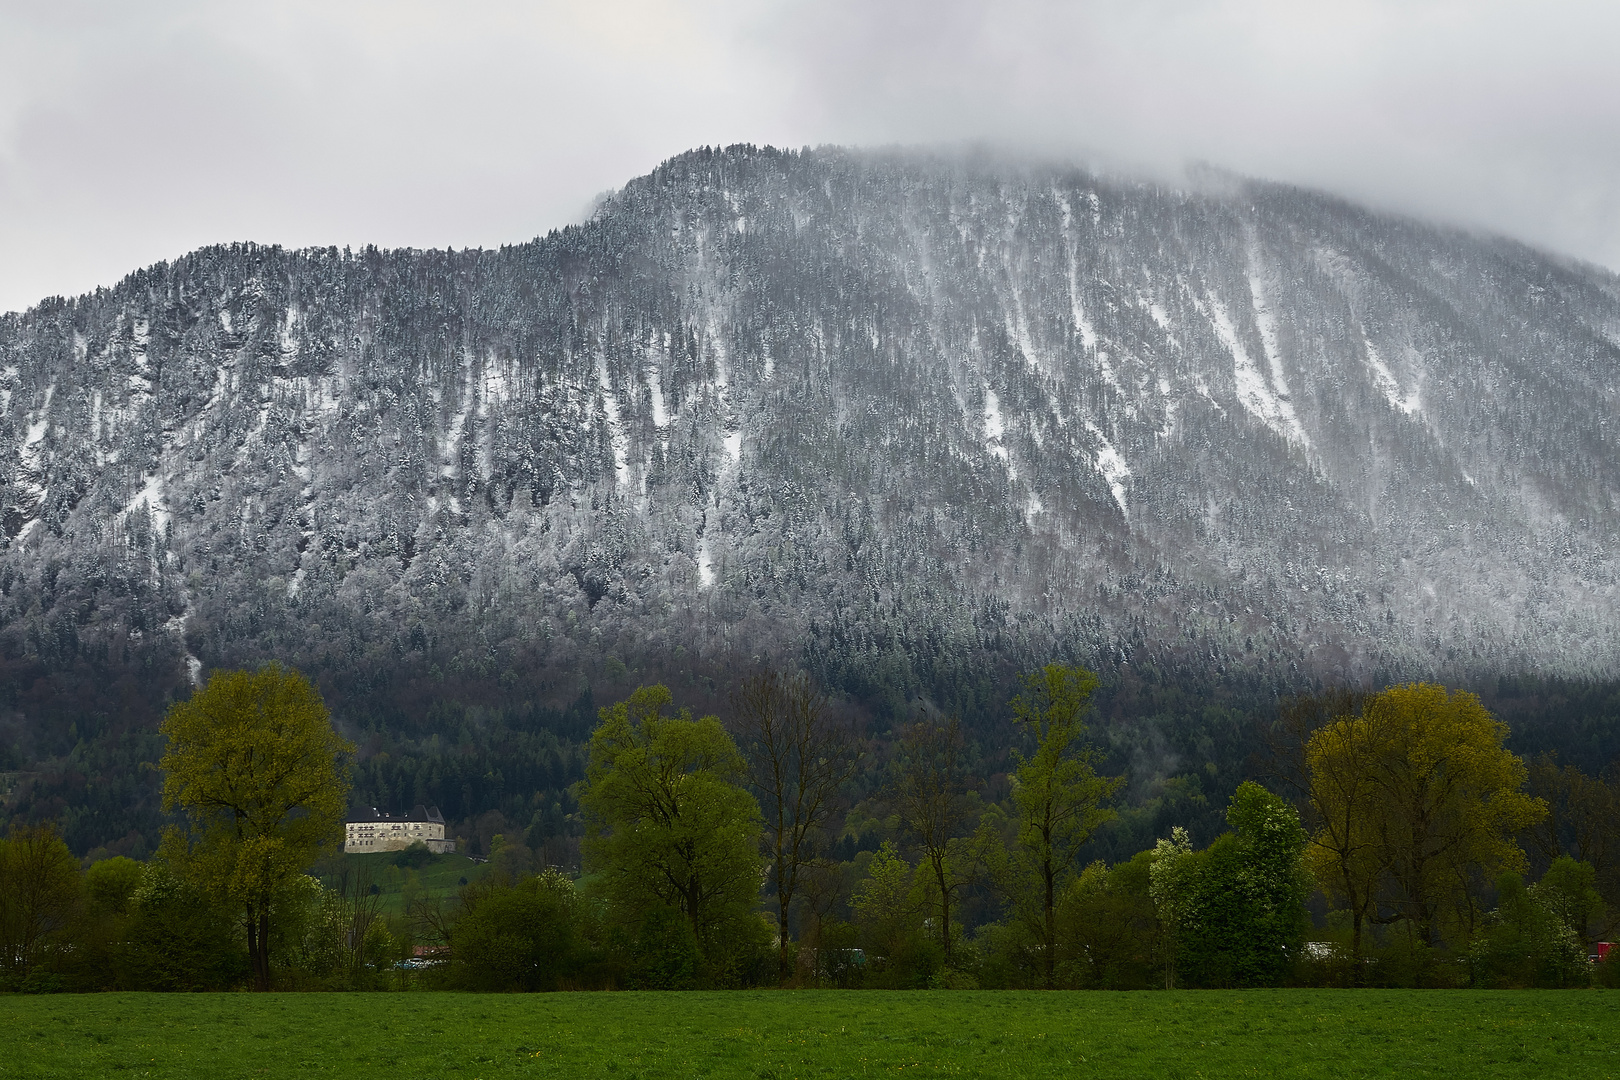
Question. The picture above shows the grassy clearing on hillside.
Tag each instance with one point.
(441, 876)
(774, 1035)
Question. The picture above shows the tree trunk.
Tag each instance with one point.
(1355, 946)
(1050, 913)
(784, 899)
(258, 928)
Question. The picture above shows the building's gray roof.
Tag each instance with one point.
(426, 814)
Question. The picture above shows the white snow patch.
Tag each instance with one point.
(660, 413)
(1253, 392)
(33, 447)
(151, 497)
(734, 446)
(1111, 464)
(610, 405)
(458, 423)
(705, 565)
(1088, 333)
(1018, 320)
(496, 385)
(1388, 385)
(994, 428)
(1268, 336)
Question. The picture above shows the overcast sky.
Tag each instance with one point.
(132, 132)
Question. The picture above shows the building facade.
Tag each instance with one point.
(369, 830)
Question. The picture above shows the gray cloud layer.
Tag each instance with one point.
(131, 132)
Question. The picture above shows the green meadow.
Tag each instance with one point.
(440, 876)
(777, 1035)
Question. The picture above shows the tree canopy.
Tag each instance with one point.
(1419, 799)
(668, 824)
(262, 778)
(1059, 796)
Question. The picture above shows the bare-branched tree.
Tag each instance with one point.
(930, 793)
(799, 757)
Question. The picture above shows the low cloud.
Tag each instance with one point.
(131, 133)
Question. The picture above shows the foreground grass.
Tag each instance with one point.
(764, 1035)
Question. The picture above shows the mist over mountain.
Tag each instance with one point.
(910, 422)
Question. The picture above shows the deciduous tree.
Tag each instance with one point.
(39, 894)
(263, 781)
(1450, 801)
(667, 820)
(930, 793)
(1344, 855)
(1059, 797)
(799, 757)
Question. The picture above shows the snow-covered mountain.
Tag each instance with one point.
(899, 418)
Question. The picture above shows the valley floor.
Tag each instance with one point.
(1294, 1033)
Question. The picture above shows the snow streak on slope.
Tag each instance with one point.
(1402, 401)
(1254, 393)
(1112, 467)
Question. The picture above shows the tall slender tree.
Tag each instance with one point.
(1344, 854)
(39, 895)
(799, 757)
(930, 792)
(1059, 796)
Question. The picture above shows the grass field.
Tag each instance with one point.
(780, 1035)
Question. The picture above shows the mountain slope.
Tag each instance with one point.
(905, 420)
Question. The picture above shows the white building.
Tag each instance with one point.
(369, 830)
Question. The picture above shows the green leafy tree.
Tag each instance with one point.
(1251, 917)
(39, 900)
(888, 904)
(669, 824)
(531, 934)
(262, 778)
(1109, 937)
(177, 937)
(885, 902)
(1526, 941)
(1344, 855)
(110, 883)
(1569, 890)
(1236, 910)
(1175, 878)
(1058, 795)
(1447, 804)
(103, 920)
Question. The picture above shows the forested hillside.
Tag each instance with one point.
(911, 423)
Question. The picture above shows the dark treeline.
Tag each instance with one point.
(1394, 839)
(77, 746)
